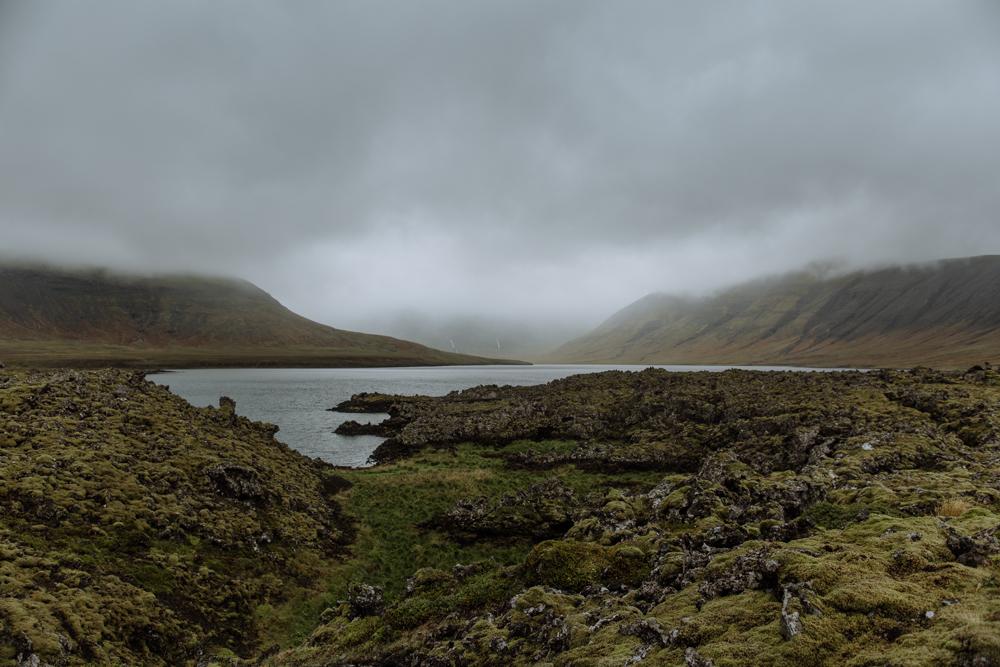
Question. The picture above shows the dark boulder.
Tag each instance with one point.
(693, 659)
(365, 600)
(238, 482)
(541, 511)
(648, 630)
(973, 550)
(752, 570)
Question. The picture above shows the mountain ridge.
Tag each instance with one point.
(944, 313)
(51, 316)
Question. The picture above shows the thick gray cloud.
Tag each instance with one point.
(544, 160)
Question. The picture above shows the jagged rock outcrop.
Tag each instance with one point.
(782, 518)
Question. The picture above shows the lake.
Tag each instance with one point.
(298, 399)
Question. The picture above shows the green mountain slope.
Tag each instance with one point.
(943, 314)
(50, 316)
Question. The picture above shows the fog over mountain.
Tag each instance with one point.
(535, 163)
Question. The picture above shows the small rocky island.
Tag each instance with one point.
(742, 517)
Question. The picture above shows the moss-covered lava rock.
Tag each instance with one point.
(798, 519)
(136, 529)
(610, 519)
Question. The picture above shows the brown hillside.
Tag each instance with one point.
(50, 316)
(942, 314)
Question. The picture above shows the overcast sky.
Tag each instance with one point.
(538, 159)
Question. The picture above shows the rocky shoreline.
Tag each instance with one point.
(743, 517)
(802, 518)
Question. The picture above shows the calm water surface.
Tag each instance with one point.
(298, 399)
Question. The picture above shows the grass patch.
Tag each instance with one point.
(390, 503)
(954, 507)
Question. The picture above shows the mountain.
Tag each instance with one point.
(944, 314)
(66, 317)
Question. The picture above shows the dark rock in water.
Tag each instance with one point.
(389, 451)
(237, 482)
(365, 600)
(352, 427)
(366, 402)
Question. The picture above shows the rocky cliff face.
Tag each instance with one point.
(944, 314)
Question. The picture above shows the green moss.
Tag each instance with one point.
(819, 493)
(830, 515)
(572, 566)
(120, 542)
(539, 447)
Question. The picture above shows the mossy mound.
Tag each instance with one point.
(574, 566)
(136, 529)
